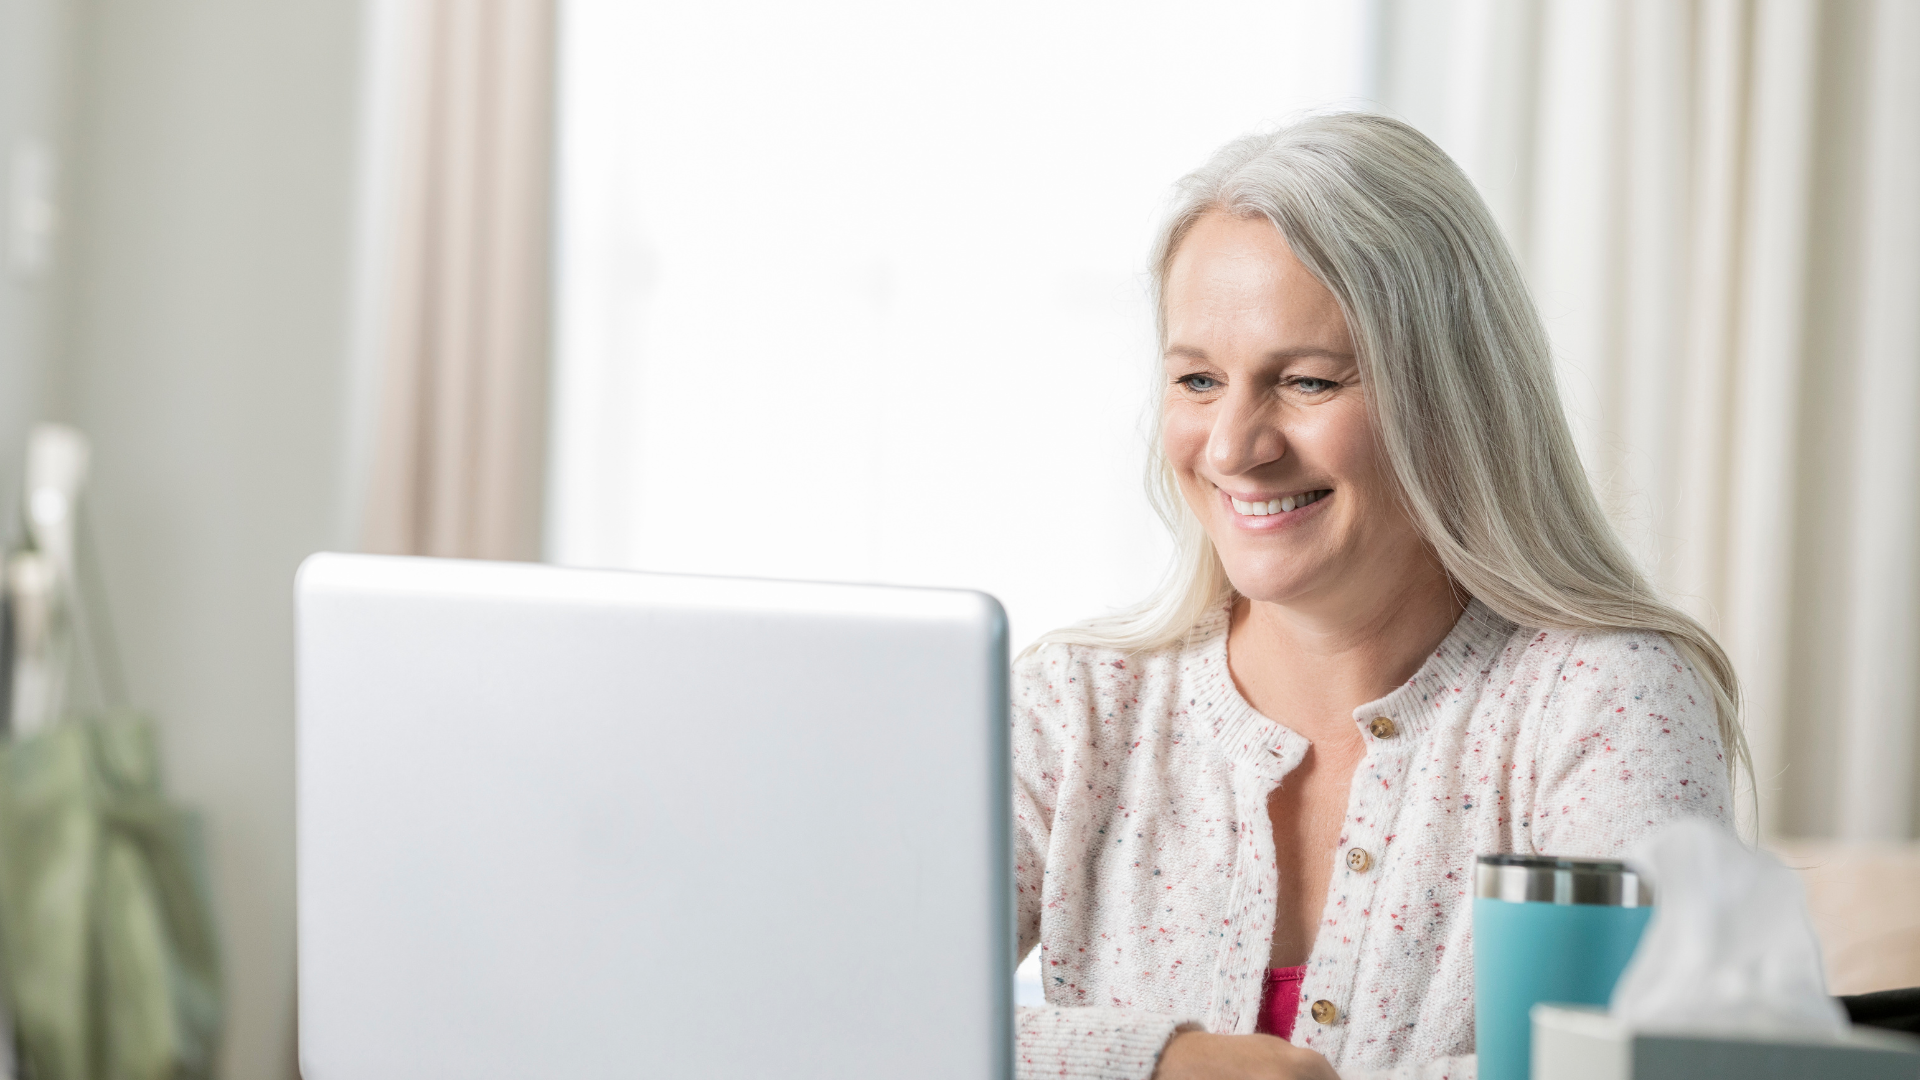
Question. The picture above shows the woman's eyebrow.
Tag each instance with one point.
(1303, 351)
(1193, 352)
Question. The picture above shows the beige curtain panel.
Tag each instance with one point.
(1716, 203)
(459, 450)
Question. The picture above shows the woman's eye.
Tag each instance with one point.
(1308, 385)
(1199, 384)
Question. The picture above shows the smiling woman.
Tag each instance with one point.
(1400, 634)
(1266, 419)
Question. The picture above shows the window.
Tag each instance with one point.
(856, 290)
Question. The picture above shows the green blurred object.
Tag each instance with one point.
(106, 922)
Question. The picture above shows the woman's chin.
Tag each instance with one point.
(1285, 589)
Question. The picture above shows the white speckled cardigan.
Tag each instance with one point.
(1144, 854)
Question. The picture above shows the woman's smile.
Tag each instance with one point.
(1263, 513)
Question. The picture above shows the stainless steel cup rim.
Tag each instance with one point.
(1548, 879)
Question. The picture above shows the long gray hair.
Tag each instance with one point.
(1459, 376)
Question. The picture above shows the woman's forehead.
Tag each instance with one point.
(1235, 286)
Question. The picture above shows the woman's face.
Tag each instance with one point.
(1266, 424)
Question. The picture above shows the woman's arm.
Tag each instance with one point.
(1082, 1042)
(1078, 1042)
(1090, 1042)
(1196, 1055)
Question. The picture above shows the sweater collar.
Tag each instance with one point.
(1455, 668)
(1463, 660)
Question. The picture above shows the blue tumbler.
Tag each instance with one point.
(1546, 929)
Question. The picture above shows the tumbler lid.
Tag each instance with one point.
(1549, 879)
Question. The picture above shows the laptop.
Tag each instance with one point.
(582, 824)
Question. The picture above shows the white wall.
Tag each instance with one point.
(33, 76)
(205, 336)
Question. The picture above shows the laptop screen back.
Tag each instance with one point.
(584, 824)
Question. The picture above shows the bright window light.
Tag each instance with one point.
(856, 291)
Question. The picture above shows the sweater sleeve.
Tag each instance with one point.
(1090, 1042)
(1629, 742)
(1075, 1042)
(1463, 1067)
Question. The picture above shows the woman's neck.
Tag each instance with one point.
(1309, 666)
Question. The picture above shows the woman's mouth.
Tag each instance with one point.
(1285, 504)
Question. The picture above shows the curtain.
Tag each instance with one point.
(1718, 205)
(460, 435)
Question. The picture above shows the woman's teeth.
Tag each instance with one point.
(1275, 506)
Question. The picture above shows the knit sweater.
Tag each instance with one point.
(1144, 857)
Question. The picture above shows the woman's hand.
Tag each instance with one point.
(1196, 1055)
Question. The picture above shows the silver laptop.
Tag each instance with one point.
(582, 824)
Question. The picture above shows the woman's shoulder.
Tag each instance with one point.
(1618, 690)
(1639, 662)
(1523, 662)
(1057, 664)
(1084, 689)
(1081, 708)
(1627, 736)
(1557, 680)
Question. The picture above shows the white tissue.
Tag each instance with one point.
(1730, 949)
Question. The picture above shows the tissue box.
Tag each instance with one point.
(1575, 1043)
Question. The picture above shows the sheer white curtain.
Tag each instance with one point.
(855, 290)
(1716, 203)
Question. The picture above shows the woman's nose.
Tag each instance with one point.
(1244, 436)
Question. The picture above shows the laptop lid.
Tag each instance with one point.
(582, 824)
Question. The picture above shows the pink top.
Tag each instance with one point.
(1281, 1001)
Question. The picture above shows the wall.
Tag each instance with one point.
(206, 330)
(34, 48)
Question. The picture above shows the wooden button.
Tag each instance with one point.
(1324, 1012)
(1383, 728)
(1359, 861)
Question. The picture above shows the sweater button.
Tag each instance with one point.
(1359, 861)
(1383, 728)
(1324, 1012)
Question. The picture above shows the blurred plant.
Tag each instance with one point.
(111, 963)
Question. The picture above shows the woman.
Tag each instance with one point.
(1400, 634)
